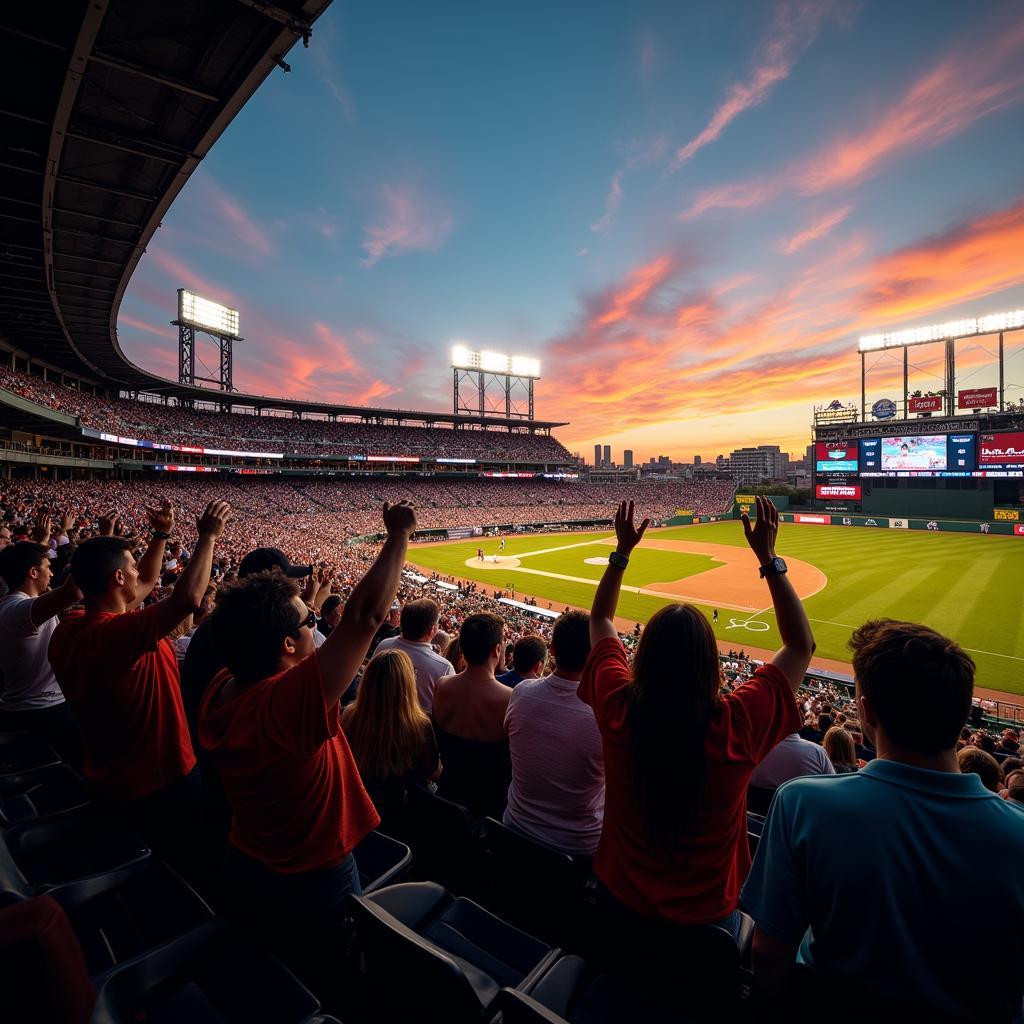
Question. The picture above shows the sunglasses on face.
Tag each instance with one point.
(309, 620)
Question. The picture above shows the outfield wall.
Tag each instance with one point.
(902, 523)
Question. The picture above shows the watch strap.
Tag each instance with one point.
(160, 535)
(619, 561)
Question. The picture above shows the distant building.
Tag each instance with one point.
(607, 455)
(597, 456)
(664, 460)
(696, 460)
(749, 466)
(627, 458)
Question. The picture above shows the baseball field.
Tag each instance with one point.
(966, 586)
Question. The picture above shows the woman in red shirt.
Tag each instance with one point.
(678, 754)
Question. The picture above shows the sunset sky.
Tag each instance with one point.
(688, 212)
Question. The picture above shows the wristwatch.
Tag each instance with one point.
(776, 567)
(160, 535)
(619, 561)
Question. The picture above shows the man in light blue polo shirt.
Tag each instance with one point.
(871, 877)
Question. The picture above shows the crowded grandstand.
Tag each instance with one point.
(258, 764)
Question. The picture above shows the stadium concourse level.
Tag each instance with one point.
(434, 807)
(310, 517)
(177, 425)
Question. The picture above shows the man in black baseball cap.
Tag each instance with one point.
(264, 559)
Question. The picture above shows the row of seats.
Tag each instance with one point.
(122, 933)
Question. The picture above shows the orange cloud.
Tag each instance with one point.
(961, 89)
(817, 230)
(183, 276)
(405, 223)
(643, 358)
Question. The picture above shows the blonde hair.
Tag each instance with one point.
(839, 746)
(454, 654)
(385, 725)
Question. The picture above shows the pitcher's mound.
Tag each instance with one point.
(493, 562)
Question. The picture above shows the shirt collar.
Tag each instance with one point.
(927, 780)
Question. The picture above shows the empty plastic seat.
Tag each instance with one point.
(22, 752)
(755, 827)
(759, 799)
(535, 886)
(381, 861)
(209, 976)
(28, 796)
(44, 856)
(567, 994)
(129, 912)
(446, 841)
(451, 956)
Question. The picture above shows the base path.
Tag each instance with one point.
(734, 584)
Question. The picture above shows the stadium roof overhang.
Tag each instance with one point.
(108, 107)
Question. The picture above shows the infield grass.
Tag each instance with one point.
(966, 586)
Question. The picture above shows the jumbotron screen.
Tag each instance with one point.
(921, 452)
(836, 456)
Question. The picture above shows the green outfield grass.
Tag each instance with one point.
(966, 586)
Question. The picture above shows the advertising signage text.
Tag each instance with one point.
(978, 398)
(838, 491)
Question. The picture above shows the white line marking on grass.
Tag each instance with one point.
(566, 547)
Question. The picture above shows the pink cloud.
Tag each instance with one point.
(794, 27)
(611, 204)
(324, 42)
(405, 223)
(239, 222)
(182, 276)
(647, 57)
(125, 320)
(817, 230)
(961, 89)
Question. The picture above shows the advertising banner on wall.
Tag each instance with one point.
(899, 524)
(1019, 529)
(1000, 449)
(837, 491)
(1007, 515)
(929, 403)
(977, 398)
(817, 520)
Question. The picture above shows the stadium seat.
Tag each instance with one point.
(43, 977)
(22, 752)
(446, 841)
(129, 912)
(211, 975)
(755, 826)
(45, 856)
(381, 861)
(451, 955)
(569, 992)
(30, 796)
(759, 799)
(536, 886)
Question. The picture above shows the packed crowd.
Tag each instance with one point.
(171, 424)
(313, 517)
(311, 697)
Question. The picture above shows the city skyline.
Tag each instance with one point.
(687, 215)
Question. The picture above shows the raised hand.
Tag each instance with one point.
(627, 534)
(761, 536)
(41, 531)
(400, 519)
(214, 519)
(161, 518)
(109, 524)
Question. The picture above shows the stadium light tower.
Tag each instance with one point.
(221, 322)
(478, 375)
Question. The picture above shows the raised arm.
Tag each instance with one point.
(187, 595)
(343, 651)
(55, 601)
(161, 520)
(606, 600)
(797, 639)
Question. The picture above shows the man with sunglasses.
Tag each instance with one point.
(270, 725)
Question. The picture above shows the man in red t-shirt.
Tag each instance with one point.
(270, 723)
(121, 678)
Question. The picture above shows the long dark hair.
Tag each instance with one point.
(676, 680)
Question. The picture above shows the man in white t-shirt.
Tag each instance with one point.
(418, 625)
(31, 700)
(557, 790)
(792, 758)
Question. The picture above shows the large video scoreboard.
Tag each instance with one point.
(922, 455)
